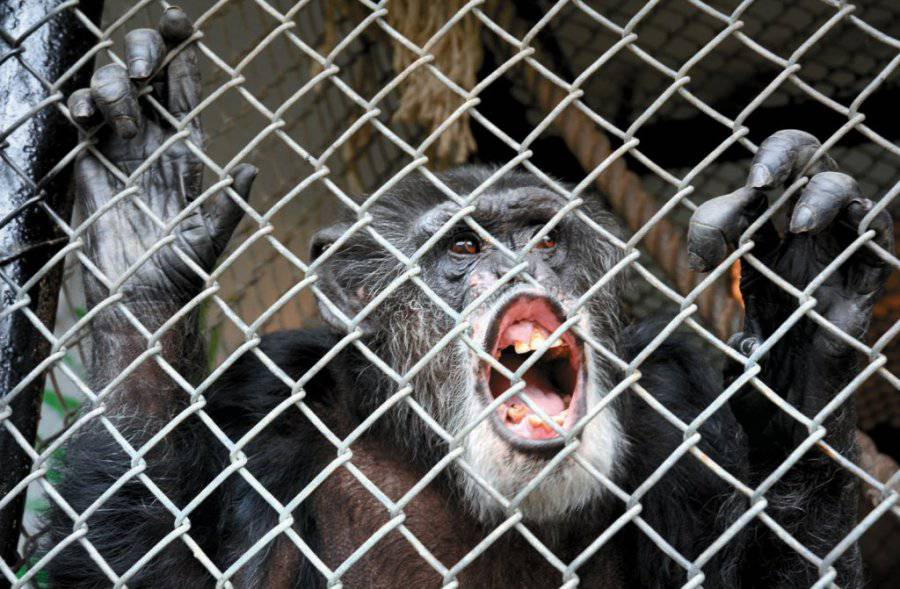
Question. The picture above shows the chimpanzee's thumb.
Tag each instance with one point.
(224, 212)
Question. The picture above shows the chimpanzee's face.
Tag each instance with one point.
(524, 378)
(519, 290)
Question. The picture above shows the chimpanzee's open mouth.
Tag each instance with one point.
(553, 382)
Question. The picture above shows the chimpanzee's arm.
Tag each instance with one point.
(150, 269)
(808, 366)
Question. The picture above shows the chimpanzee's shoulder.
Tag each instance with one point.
(298, 349)
(254, 384)
(686, 379)
(285, 454)
(678, 363)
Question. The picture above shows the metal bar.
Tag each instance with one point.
(39, 42)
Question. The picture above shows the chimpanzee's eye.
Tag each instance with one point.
(548, 241)
(467, 245)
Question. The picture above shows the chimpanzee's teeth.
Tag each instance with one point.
(560, 417)
(537, 340)
(536, 422)
(516, 412)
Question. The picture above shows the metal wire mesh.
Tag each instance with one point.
(307, 92)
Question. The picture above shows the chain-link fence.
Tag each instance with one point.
(656, 106)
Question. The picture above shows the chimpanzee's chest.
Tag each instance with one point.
(428, 544)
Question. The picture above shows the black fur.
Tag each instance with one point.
(689, 507)
(233, 517)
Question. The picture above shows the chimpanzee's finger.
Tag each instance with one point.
(717, 224)
(783, 156)
(752, 409)
(868, 271)
(116, 99)
(183, 82)
(830, 197)
(175, 26)
(183, 72)
(144, 50)
(224, 213)
(882, 223)
(822, 200)
(81, 107)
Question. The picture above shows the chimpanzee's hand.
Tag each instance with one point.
(809, 364)
(168, 181)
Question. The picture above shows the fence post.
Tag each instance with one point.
(39, 41)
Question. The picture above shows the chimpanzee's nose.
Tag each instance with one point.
(500, 264)
(497, 265)
(535, 267)
(539, 269)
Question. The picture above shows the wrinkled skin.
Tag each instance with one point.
(118, 238)
(690, 506)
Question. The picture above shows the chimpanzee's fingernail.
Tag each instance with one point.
(80, 105)
(748, 346)
(81, 109)
(802, 219)
(139, 68)
(759, 176)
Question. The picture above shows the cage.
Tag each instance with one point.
(656, 106)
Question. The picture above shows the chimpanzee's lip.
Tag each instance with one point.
(554, 382)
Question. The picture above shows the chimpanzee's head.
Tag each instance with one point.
(468, 305)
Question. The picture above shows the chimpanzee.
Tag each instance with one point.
(265, 474)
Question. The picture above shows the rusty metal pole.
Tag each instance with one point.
(40, 40)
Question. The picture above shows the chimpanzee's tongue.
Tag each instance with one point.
(537, 386)
(544, 395)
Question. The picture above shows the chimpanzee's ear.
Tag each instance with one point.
(340, 281)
